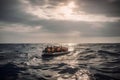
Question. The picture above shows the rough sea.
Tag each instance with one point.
(85, 62)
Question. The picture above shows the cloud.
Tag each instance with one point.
(109, 8)
(24, 20)
(12, 11)
(20, 28)
(68, 11)
(30, 11)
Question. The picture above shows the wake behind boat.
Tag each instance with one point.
(55, 51)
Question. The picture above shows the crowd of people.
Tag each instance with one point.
(55, 49)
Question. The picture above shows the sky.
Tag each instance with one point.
(46, 21)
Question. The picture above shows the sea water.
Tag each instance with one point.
(84, 62)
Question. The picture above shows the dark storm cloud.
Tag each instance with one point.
(56, 2)
(37, 2)
(9, 10)
(12, 11)
(45, 2)
(48, 3)
(111, 29)
(107, 7)
(85, 28)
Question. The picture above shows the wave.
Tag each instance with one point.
(86, 62)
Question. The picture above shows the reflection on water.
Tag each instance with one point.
(84, 62)
(65, 67)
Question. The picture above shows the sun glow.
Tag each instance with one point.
(67, 10)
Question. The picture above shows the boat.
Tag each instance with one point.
(45, 54)
(55, 51)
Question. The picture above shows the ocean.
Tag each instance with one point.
(98, 61)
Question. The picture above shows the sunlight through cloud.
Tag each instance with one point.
(69, 11)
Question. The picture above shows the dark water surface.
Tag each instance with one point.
(85, 62)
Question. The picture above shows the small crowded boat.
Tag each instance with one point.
(55, 51)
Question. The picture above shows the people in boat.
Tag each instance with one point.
(45, 50)
(48, 50)
(52, 49)
(64, 49)
(58, 49)
(55, 49)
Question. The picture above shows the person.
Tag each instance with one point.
(52, 49)
(55, 49)
(58, 49)
(64, 49)
(48, 50)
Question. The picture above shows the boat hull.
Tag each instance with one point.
(54, 54)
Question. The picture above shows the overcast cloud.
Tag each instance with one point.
(59, 20)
